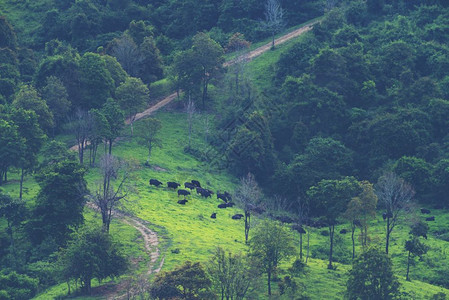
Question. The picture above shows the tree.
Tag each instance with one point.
(332, 198)
(274, 18)
(232, 274)
(147, 131)
(28, 128)
(11, 147)
(396, 195)
(303, 211)
(59, 203)
(360, 211)
(239, 46)
(96, 82)
(414, 246)
(372, 277)
(55, 95)
(91, 253)
(54, 152)
(272, 243)
(8, 37)
(133, 96)
(116, 120)
(108, 197)
(99, 130)
(80, 123)
(188, 281)
(28, 99)
(151, 67)
(248, 194)
(14, 211)
(127, 54)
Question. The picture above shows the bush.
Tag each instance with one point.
(17, 286)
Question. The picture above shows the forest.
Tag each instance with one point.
(222, 149)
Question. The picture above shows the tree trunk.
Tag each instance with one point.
(110, 146)
(308, 245)
(247, 225)
(331, 248)
(269, 282)
(387, 242)
(272, 41)
(21, 185)
(408, 267)
(353, 242)
(300, 246)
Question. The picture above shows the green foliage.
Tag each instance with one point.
(91, 253)
(371, 277)
(59, 204)
(133, 96)
(17, 286)
(11, 146)
(147, 131)
(188, 281)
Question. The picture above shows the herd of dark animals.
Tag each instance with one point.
(227, 199)
(206, 193)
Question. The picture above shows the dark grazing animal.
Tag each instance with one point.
(183, 192)
(155, 182)
(189, 185)
(425, 211)
(173, 185)
(386, 215)
(237, 217)
(213, 216)
(284, 219)
(222, 197)
(203, 192)
(196, 183)
(343, 231)
(230, 204)
(182, 201)
(430, 218)
(223, 205)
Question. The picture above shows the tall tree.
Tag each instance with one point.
(109, 196)
(396, 196)
(147, 131)
(29, 99)
(272, 243)
(55, 95)
(332, 198)
(14, 211)
(209, 56)
(360, 211)
(28, 128)
(274, 18)
(90, 254)
(99, 130)
(80, 124)
(11, 147)
(59, 203)
(372, 277)
(116, 120)
(133, 96)
(248, 194)
(414, 246)
(190, 109)
(232, 274)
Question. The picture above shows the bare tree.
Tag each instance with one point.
(80, 124)
(109, 196)
(274, 18)
(238, 45)
(396, 195)
(248, 194)
(127, 54)
(303, 212)
(190, 109)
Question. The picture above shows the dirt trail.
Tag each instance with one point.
(248, 56)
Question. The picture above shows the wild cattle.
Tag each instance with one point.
(182, 201)
(189, 185)
(230, 204)
(196, 183)
(386, 215)
(223, 205)
(343, 231)
(213, 216)
(172, 185)
(183, 192)
(425, 211)
(237, 217)
(203, 192)
(430, 218)
(155, 182)
(222, 197)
